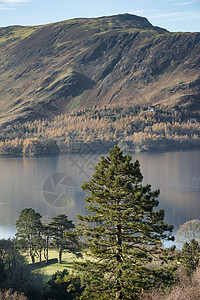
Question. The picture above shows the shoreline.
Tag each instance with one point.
(103, 150)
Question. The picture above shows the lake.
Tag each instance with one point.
(51, 185)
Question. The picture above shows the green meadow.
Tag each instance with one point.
(48, 270)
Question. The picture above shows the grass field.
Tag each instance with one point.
(48, 270)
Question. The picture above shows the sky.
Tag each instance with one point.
(173, 15)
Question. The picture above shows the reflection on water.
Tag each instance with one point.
(177, 175)
(31, 182)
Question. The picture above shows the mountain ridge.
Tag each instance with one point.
(52, 69)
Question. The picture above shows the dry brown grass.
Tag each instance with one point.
(12, 295)
(185, 289)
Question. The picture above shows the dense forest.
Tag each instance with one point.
(144, 128)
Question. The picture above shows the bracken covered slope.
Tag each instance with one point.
(84, 63)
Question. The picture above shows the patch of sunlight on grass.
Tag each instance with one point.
(48, 270)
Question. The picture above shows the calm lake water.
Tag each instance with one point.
(51, 185)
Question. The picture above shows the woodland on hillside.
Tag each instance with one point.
(132, 128)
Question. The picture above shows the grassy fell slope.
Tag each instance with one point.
(123, 59)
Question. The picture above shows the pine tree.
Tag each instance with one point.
(190, 256)
(64, 237)
(47, 233)
(122, 232)
(28, 231)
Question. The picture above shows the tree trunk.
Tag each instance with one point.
(31, 254)
(40, 255)
(47, 250)
(119, 294)
(47, 260)
(60, 256)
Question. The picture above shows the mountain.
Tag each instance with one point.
(85, 63)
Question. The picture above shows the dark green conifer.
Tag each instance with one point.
(190, 256)
(64, 238)
(28, 231)
(122, 233)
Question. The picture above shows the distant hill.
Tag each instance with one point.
(84, 63)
